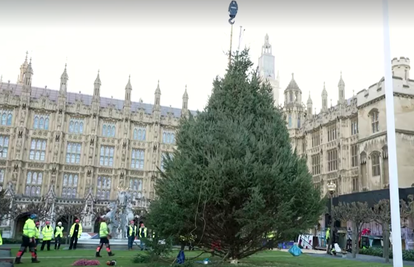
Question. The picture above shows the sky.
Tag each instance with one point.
(184, 43)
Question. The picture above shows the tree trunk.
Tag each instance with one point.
(358, 232)
(386, 237)
(354, 239)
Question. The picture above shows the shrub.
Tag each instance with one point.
(408, 255)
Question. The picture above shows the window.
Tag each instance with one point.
(135, 185)
(76, 126)
(375, 160)
(355, 187)
(298, 122)
(332, 133)
(316, 164)
(103, 187)
(137, 159)
(6, 117)
(332, 160)
(70, 185)
(38, 150)
(139, 134)
(163, 156)
(107, 156)
(4, 145)
(316, 139)
(108, 130)
(1, 179)
(34, 183)
(73, 153)
(354, 156)
(168, 137)
(354, 126)
(41, 122)
(374, 121)
(290, 121)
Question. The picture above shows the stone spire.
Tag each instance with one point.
(184, 109)
(28, 75)
(324, 99)
(341, 90)
(157, 98)
(97, 87)
(64, 82)
(128, 90)
(309, 105)
(23, 68)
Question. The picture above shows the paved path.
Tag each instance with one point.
(359, 257)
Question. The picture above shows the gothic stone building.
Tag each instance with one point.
(73, 148)
(346, 143)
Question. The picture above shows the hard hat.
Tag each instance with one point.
(47, 222)
(60, 223)
(33, 216)
(37, 223)
(77, 220)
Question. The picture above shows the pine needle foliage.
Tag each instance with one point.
(234, 176)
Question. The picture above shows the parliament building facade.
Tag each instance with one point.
(69, 148)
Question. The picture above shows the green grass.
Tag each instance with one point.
(65, 258)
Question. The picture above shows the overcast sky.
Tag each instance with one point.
(183, 43)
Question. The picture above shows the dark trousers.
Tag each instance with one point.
(27, 243)
(270, 244)
(73, 241)
(104, 241)
(44, 243)
(130, 241)
(57, 242)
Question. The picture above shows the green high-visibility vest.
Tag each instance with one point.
(47, 233)
(132, 229)
(29, 228)
(1, 240)
(59, 231)
(103, 230)
(143, 232)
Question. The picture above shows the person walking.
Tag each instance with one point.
(327, 238)
(104, 236)
(47, 233)
(75, 233)
(132, 232)
(28, 240)
(58, 234)
(143, 234)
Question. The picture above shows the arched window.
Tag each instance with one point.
(375, 164)
(290, 121)
(47, 124)
(374, 114)
(9, 119)
(36, 122)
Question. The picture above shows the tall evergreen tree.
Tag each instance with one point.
(234, 176)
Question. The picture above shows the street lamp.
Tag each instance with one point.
(233, 8)
(331, 189)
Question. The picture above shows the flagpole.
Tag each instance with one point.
(392, 145)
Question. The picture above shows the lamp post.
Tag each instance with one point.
(233, 8)
(331, 188)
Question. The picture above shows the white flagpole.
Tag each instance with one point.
(392, 145)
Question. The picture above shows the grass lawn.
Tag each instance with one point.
(65, 258)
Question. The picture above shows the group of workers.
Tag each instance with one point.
(31, 236)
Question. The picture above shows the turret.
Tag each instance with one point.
(157, 97)
(128, 90)
(309, 106)
(97, 87)
(401, 67)
(324, 99)
(28, 76)
(23, 67)
(184, 109)
(341, 90)
(63, 82)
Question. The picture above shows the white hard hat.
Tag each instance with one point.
(60, 223)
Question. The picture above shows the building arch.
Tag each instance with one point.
(19, 223)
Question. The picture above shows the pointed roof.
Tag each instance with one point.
(309, 102)
(128, 86)
(97, 80)
(64, 74)
(158, 90)
(341, 82)
(293, 84)
(185, 95)
(324, 92)
(29, 68)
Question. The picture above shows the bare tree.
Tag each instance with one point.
(5, 207)
(356, 212)
(70, 212)
(382, 215)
